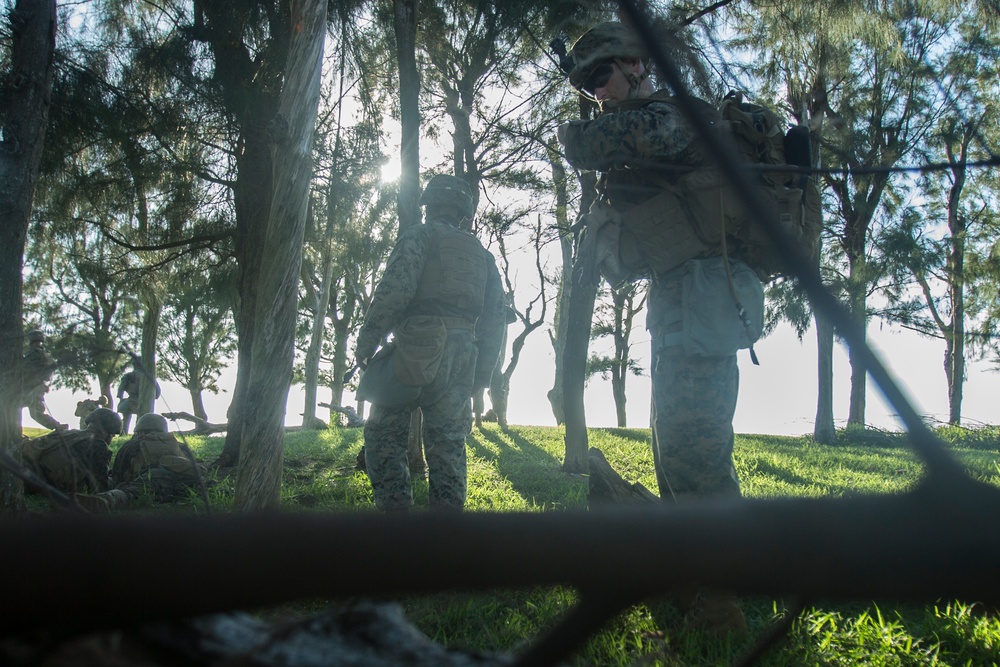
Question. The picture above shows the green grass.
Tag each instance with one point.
(519, 470)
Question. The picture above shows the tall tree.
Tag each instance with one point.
(615, 318)
(197, 331)
(404, 25)
(26, 87)
(258, 481)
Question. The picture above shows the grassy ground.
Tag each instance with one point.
(519, 470)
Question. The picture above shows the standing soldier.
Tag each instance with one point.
(649, 157)
(441, 298)
(128, 394)
(37, 368)
(128, 397)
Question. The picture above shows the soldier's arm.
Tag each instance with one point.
(654, 133)
(395, 290)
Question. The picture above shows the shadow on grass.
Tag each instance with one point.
(534, 473)
(632, 434)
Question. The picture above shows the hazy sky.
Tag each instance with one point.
(778, 397)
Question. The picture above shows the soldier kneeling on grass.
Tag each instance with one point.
(72, 460)
(154, 461)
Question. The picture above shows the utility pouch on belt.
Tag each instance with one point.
(712, 326)
(420, 342)
(379, 383)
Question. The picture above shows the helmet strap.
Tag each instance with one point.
(634, 80)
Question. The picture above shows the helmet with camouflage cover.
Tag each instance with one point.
(151, 422)
(106, 419)
(602, 43)
(35, 336)
(447, 190)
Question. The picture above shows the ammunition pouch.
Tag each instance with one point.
(379, 383)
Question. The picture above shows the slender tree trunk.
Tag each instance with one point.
(198, 404)
(859, 374)
(258, 481)
(579, 316)
(321, 306)
(404, 23)
(558, 336)
(341, 332)
(956, 262)
(33, 34)
(147, 379)
(824, 430)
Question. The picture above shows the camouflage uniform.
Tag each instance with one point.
(71, 461)
(128, 397)
(467, 363)
(37, 368)
(150, 462)
(693, 397)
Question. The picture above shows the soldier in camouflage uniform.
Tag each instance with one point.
(693, 396)
(151, 461)
(128, 397)
(37, 369)
(72, 460)
(438, 275)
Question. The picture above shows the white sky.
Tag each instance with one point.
(777, 397)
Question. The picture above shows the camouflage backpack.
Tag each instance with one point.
(759, 135)
(71, 461)
(687, 218)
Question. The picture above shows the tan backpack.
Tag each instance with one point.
(688, 217)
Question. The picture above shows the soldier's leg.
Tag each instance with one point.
(446, 424)
(126, 420)
(386, 432)
(694, 400)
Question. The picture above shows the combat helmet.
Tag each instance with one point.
(106, 419)
(447, 190)
(602, 43)
(151, 422)
(35, 336)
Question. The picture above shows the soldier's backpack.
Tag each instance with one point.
(71, 461)
(687, 218)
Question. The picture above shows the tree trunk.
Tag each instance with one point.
(579, 316)
(341, 332)
(558, 339)
(253, 202)
(33, 36)
(147, 378)
(606, 487)
(859, 374)
(258, 481)
(581, 312)
(404, 24)
(198, 405)
(320, 306)
(956, 266)
(824, 430)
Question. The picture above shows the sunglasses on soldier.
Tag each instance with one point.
(598, 77)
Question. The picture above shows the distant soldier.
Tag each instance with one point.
(88, 405)
(128, 396)
(73, 461)
(37, 368)
(151, 461)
